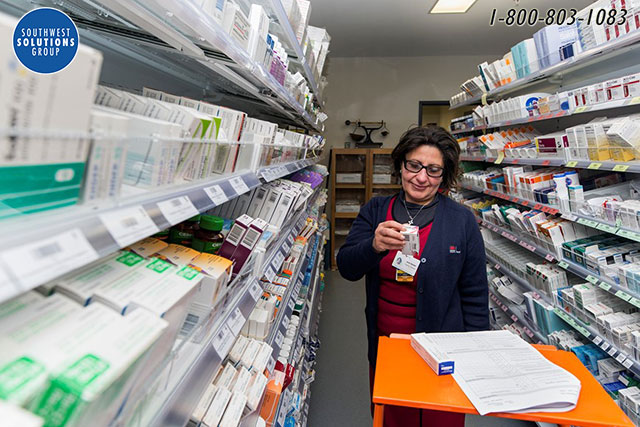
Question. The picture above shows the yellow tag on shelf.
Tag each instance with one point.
(580, 110)
(572, 164)
(635, 100)
(484, 99)
(500, 158)
(594, 165)
(620, 168)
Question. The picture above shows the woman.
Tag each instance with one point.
(448, 292)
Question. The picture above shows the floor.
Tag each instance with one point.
(340, 393)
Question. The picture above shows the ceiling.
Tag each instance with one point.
(362, 28)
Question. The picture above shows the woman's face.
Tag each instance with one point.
(420, 187)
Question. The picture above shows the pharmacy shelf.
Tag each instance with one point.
(278, 332)
(586, 330)
(346, 215)
(603, 106)
(296, 49)
(387, 186)
(605, 284)
(189, 14)
(517, 316)
(468, 130)
(596, 223)
(176, 37)
(588, 57)
(175, 406)
(350, 186)
(576, 164)
(65, 239)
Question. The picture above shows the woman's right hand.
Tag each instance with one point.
(387, 237)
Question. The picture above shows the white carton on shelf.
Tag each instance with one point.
(14, 416)
(259, 28)
(19, 303)
(236, 23)
(112, 353)
(234, 410)
(217, 407)
(349, 178)
(105, 168)
(80, 285)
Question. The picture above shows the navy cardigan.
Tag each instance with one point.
(452, 290)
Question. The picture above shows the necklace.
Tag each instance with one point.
(411, 218)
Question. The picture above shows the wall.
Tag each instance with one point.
(372, 89)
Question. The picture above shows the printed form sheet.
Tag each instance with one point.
(500, 372)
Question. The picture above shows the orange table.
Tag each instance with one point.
(404, 379)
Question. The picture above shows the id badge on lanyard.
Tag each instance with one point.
(405, 261)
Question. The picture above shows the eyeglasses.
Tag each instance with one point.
(434, 171)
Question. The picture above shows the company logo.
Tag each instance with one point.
(45, 40)
(453, 250)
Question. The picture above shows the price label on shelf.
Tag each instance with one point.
(129, 225)
(546, 163)
(497, 266)
(607, 228)
(594, 165)
(238, 185)
(270, 274)
(524, 203)
(563, 264)
(635, 301)
(223, 341)
(278, 260)
(177, 209)
(484, 99)
(629, 235)
(582, 330)
(285, 322)
(515, 161)
(571, 164)
(604, 285)
(549, 257)
(216, 194)
(621, 358)
(569, 217)
(605, 345)
(635, 100)
(514, 318)
(588, 222)
(611, 351)
(623, 295)
(37, 262)
(620, 168)
(592, 279)
(255, 290)
(236, 321)
(597, 340)
(537, 206)
(290, 239)
(271, 365)
(279, 339)
(628, 363)
(286, 247)
(292, 303)
(580, 110)
(500, 158)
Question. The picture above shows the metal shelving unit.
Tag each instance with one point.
(577, 62)
(177, 38)
(603, 283)
(515, 315)
(192, 374)
(82, 234)
(587, 331)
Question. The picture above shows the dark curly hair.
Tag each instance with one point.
(435, 136)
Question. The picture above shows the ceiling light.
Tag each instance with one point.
(452, 6)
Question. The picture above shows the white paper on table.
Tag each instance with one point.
(500, 372)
